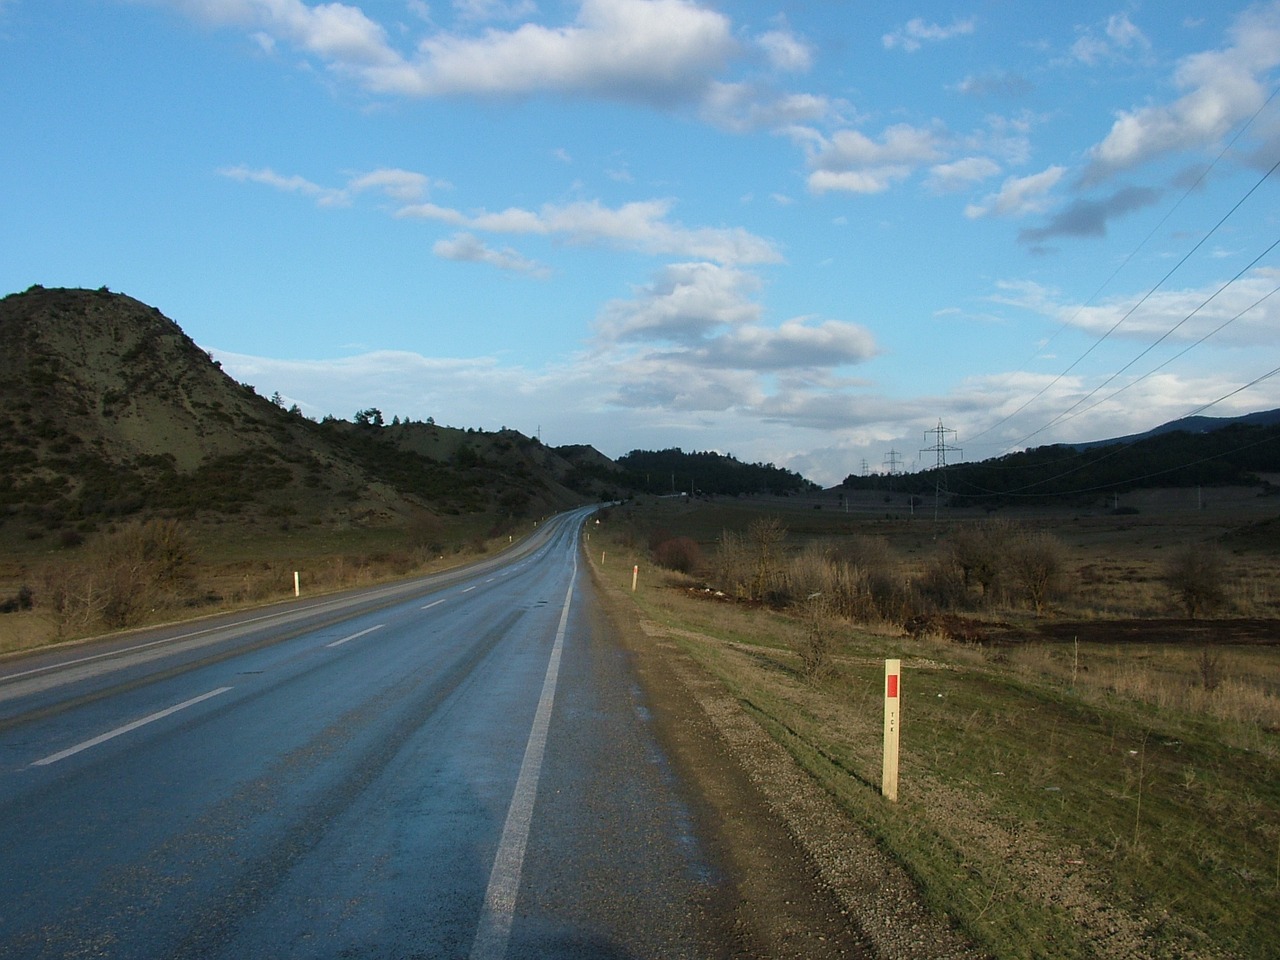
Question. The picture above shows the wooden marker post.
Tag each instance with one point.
(892, 723)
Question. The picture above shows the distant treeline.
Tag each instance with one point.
(1235, 454)
(674, 471)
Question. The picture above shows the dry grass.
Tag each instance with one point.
(230, 566)
(1057, 799)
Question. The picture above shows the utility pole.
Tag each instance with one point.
(941, 448)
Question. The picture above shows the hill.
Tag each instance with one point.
(1240, 452)
(1265, 418)
(111, 411)
(675, 471)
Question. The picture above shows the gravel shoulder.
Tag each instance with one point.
(809, 882)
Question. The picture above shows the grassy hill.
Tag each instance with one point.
(110, 412)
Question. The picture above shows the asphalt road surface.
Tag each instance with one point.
(461, 766)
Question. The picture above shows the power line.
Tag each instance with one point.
(1192, 188)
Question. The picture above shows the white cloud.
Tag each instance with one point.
(795, 344)
(961, 174)
(334, 32)
(744, 108)
(1018, 196)
(1223, 88)
(324, 196)
(642, 226)
(403, 186)
(654, 51)
(850, 160)
(660, 52)
(467, 248)
(1189, 314)
(786, 51)
(1120, 37)
(684, 302)
(917, 32)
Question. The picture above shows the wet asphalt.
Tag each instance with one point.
(460, 767)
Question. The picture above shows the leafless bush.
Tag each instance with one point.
(750, 566)
(679, 553)
(816, 645)
(125, 574)
(1035, 563)
(1210, 666)
(981, 552)
(941, 586)
(1196, 576)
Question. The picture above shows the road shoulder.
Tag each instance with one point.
(810, 883)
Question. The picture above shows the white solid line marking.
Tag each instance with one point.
(433, 603)
(128, 727)
(338, 643)
(504, 880)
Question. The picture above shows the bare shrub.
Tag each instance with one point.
(141, 566)
(981, 551)
(125, 574)
(816, 644)
(1196, 576)
(941, 586)
(1210, 667)
(679, 553)
(750, 566)
(765, 540)
(1035, 563)
(730, 566)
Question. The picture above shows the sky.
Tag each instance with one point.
(831, 235)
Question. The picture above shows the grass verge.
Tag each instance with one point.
(1047, 817)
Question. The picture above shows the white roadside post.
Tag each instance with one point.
(297, 586)
(892, 718)
(635, 576)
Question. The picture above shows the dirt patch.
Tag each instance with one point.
(1194, 633)
(1179, 631)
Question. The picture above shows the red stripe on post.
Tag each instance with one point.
(892, 682)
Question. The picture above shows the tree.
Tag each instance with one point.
(1036, 567)
(1196, 576)
(981, 551)
(369, 418)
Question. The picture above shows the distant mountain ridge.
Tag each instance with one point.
(1194, 425)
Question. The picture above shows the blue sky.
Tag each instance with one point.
(797, 232)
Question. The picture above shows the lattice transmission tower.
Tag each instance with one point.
(940, 445)
(941, 448)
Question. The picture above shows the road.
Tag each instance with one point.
(463, 766)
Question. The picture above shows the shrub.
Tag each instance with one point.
(679, 553)
(1196, 577)
(750, 566)
(128, 573)
(981, 551)
(816, 645)
(1036, 567)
